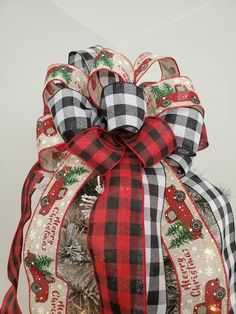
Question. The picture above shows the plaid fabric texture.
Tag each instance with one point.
(154, 184)
(90, 145)
(182, 163)
(115, 236)
(106, 77)
(115, 239)
(83, 59)
(124, 106)
(72, 112)
(187, 125)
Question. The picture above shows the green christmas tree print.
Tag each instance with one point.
(181, 234)
(42, 262)
(70, 177)
(159, 92)
(65, 73)
(105, 59)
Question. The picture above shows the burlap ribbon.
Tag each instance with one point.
(102, 121)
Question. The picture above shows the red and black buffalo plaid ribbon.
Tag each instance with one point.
(115, 237)
(10, 303)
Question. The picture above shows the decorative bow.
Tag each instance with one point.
(116, 151)
(74, 79)
(111, 124)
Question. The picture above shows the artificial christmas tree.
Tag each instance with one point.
(122, 224)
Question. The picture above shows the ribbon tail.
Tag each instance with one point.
(10, 302)
(115, 239)
(183, 233)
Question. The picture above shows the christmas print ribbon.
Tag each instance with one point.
(10, 302)
(187, 239)
(99, 122)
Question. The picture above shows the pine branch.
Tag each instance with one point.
(42, 262)
(46, 273)
(181, 233)
(177, 242)
(64, 73)
(157, 92)
(108, 62)
(54, 73)
(96, 63)
(70, 177)
(167, 88)
(104, 60)
(160, 92)
(174, 228)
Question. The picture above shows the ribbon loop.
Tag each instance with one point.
(108, 67)
(72, 113)
(83, 58)
(102, 150)
(61, 76)
(97, 148)
(154, 141)
(168, 66)
(124, 106)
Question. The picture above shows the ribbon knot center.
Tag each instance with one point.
(124, 106)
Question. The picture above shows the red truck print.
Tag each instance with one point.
(178, 210)
(58, 68)
(181, 93)
(47, 127)
(56, 192)
(142, 67)
(214, 295)
(40, 285)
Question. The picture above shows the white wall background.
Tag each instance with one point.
(200, 35)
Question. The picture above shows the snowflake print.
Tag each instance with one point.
(39, 222)
(41, 310)
(210, 254)
(194, 248)
(209, 271)
(32, 234)
(70, 193)
(54, 140)
(186, 311)
(189, 301)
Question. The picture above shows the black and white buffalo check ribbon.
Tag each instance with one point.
(72, 112)
(123, 106)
